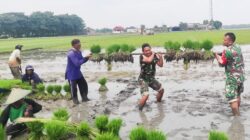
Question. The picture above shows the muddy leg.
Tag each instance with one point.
(160, 95)
(235, 108)
(143, 101)
(239, 102)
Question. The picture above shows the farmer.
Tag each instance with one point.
(148, 62)
(18, 106)
(15, 62)
(73, 72)
(232, 60)
(30, 76)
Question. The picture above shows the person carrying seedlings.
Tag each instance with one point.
(232, 60)
(148, 62)
(73, 71)
(18, 106)
(15, 62)
(31, 77)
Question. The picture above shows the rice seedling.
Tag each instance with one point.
(138, 133)
(169, 45)
(8, 84)
(124, 48)
(101, 123)
(40, 88)
(207, 45)
(196, 45)
(214, 135)
(95, 49)
(107, 136)
(61, 114)
(113, 49)
(66, 88)
(58, 88)
(50, 89)
(83, 131)
(2, 133)
(36, 130)
(114, 126)
(188, 44)
(102, 82)
(56, 130)
(131, 48)
(156, 135)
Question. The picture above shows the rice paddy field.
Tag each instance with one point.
(63, 43)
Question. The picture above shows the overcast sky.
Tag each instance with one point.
(109, 13)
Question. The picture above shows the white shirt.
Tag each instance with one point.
(13, 58)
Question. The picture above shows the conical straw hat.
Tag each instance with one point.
(16, 94)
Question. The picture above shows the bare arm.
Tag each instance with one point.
(160, 62)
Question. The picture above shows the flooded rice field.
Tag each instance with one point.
(193, 103)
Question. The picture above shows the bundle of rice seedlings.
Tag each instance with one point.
(95, 49)
(131, 49)
(58, 88)
(102, 82)
(61, 114)
(66, 88)
(107, 136)
(169, 45)
(170, 55)
(124, 48)
(50, 89)
(97, 57)
(56, 130)
(40, 88)
(138, 133)
(196, 45)
(83, 131)
(214, 135)
(156, 135)
(8, 84)
(208, 55)
(2, 133)
(101, 123)
(114, 126)
(207, 45)
(36, 130)
(188, 44)
(121, 57)
(113, 49)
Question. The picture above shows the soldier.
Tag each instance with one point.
(232, 60)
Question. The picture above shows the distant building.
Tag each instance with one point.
(132, 29)
(118, 30)
(196, 26)
(90, 31)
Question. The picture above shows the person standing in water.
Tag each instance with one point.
(232, 60)
(73, 71)
(148, 62)
(15, 62)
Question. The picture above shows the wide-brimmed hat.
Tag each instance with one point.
(16, 94)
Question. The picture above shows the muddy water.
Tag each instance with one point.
(193, 103)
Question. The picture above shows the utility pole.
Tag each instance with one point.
(211, 11)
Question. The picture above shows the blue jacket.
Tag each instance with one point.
(74, 62)
(34, 76)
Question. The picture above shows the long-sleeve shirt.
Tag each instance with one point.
(7, 111)
(34, 77)
(74, 62)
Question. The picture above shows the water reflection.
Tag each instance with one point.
(236, 131)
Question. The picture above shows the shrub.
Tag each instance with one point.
(156, 135)
(58, 88)
(40, 88)
(61, 114)
(95, 49)
(50, 89)
(207, 45)
(101, 123)
(138, 133)
(66, 88)
(214, 135)
(114, 126)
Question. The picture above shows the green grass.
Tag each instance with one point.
(214, 135)
(63, 43)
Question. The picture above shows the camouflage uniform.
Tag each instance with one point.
(147, 76)
(234, 69)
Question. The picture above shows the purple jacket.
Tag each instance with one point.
(75, 60)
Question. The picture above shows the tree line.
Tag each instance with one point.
(40, 24)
